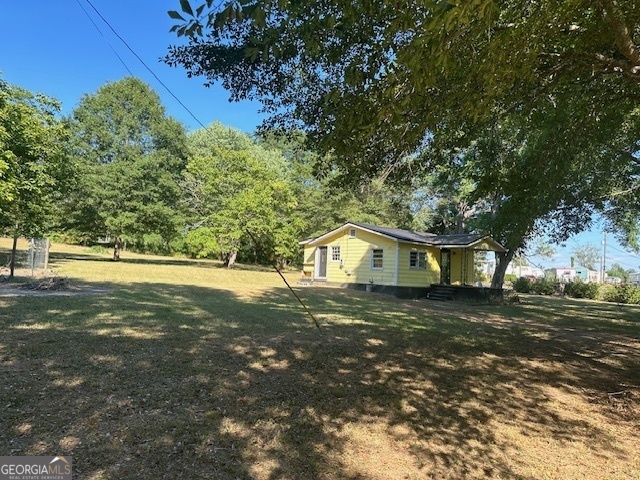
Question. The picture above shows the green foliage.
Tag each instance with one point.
(587, 255)
(510, 277)
(376, 83)
(627, 294)
(522, 285)
(99, 249)
(34, 170)
(130, 157)
(580, 289)
(239, 196)
(618, 271)
(544, 286)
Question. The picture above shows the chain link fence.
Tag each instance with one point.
(32, 254)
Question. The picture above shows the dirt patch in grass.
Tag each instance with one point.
(46, 286)
(220, 375)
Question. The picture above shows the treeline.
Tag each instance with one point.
(119, 170)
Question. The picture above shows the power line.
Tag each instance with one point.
(146, 66)
(625, 252)
(315, 321)
(105, 38)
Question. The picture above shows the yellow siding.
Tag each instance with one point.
(486, 245)
(356, 258)
(355, 266)
(408, 277)
(309, 256)
(470, 266)
(460, 275)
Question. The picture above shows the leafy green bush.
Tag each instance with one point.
(522, 285)
(510, 277)
(580, 289)
(606, 293)
(623, 294)
(544, 286)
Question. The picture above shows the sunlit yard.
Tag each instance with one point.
(158, 367)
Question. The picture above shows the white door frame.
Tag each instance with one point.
(316, 269)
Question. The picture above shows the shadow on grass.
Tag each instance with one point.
(166, 381)
(62, 258)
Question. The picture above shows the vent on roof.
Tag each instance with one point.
(352, 233)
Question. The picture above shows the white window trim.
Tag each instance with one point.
(355, 233)
(330, 254)
(417, 267)
(371, 265)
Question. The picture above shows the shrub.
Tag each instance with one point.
(545, 286)
(522, 285)
(623, 294)
(580, 289)
(510, 277)
(511, 298)
(606, 293)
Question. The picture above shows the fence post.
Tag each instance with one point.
(46, 254)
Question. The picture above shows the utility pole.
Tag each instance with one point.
(603, 263)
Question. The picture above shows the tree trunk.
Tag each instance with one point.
(502, 261)
(230, 261)
(14, 248)
(116, 249)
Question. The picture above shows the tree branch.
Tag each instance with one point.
(623, 38)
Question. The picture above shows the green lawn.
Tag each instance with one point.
(168, 368)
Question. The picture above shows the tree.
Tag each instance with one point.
(587, 255)
(33, 163)
(445, 202)
(525, 179)
(132, 157)
(239, 198)
(376, 81)
(618, 271)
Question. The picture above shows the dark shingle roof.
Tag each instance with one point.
(425, 238)
(396, 232)
(457, 239)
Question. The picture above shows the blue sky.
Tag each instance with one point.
(53, 48)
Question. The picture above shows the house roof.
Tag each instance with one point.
(423, 238)
(396, 233)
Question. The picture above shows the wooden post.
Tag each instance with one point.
(46, 254)
(13, 254)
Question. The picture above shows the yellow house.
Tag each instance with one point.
(392, 260)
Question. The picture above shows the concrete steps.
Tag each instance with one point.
(442, 293)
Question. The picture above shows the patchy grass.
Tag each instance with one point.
(183, 369)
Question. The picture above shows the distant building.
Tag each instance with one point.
(586, 275)
(634, 279)
(524, 271)
(613, 280)
(563, 275)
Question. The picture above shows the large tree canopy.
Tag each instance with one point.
(131, 157)
(239, 199)
(379, 75)
(33, 165)
(375, 81)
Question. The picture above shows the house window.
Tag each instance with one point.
(376, 259)
(352, 233)
(418, 260)
(335, 253)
